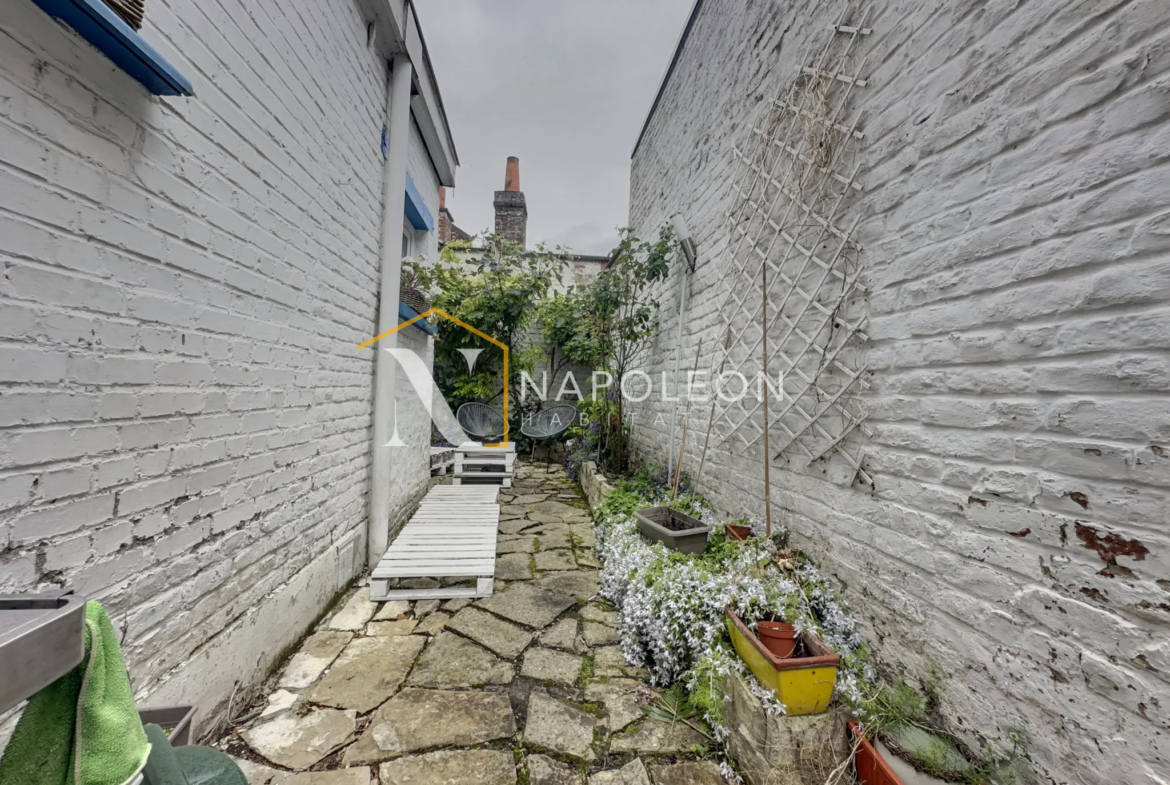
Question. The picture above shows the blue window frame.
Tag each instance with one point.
(95, 22)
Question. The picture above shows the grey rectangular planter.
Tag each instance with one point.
(676, 530)
(175, 720)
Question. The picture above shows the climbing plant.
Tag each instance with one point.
(496, 289)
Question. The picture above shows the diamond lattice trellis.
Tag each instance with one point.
(791, 240)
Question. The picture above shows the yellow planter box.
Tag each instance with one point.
(803, 684)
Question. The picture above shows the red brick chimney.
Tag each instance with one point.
(512, 174)
(511, 209)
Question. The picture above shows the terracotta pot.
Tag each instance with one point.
(871, 768)
(737, 532)
(778, 637)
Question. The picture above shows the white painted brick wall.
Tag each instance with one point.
(1016, 249)
(185, 416)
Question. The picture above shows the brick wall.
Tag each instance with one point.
(185, 417)
(1015, 248)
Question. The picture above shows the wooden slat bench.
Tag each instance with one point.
(451, 535)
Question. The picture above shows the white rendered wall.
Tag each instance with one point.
(1014, 226)
(185, 416)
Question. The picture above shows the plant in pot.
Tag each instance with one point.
(899, 743)
(738, 530)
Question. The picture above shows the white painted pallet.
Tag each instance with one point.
(451, 535)
(470, 458)
(442, 459)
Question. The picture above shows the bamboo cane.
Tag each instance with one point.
(764, 391)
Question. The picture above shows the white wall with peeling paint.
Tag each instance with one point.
(1016, 234)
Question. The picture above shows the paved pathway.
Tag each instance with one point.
(528, 685)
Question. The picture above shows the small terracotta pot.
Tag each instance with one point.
(778, 637)
(737, 532)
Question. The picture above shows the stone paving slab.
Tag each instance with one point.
(299, 742)
(555, 560)
(543, 770)
(256, 774)
(356, 612)
(555, 726)
(465, 767)
(317, 653)
(690, 773)
(633, 773)
(551, 665)
(433, 623)
(653, 737)
(450, 661)
(514, 567)
(368, 672)
(390, 611)
(600, 615)
(528, 604)
(415, 720)
(620, 699)
(551, 540)
(582, 585)
(562, 635)
(515, 526)
(608, 661)
(599, 634)
(400, 627)
(504, 638)
(521, 543)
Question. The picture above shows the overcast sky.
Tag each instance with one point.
(564, 85)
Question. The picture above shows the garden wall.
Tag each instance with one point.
(186, 418)
(1015, 248)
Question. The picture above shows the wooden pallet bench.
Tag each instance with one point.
(451, 535)
(442, 459)
(471, 458)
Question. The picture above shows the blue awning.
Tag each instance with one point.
(95, 22)
(416, 210)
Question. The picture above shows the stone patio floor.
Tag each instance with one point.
(526, 686)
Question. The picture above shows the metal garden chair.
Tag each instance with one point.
(481, 422)
(549, 425)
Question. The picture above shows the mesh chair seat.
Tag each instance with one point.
(481, 422)
(550, 423)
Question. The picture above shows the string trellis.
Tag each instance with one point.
(797, 171)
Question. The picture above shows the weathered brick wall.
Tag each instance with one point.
(512, 216)
(1015, 246)
(185, 417)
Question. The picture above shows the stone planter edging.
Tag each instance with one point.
(596, 487)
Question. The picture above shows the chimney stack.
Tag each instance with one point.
(512, 174)
(511, 209)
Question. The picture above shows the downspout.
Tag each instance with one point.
(683, 235)
(393, 208)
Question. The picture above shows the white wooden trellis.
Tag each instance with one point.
(796, 172)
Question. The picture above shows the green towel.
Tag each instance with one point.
(109, 746)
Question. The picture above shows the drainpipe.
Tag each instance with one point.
(682, 234)
(393, 208)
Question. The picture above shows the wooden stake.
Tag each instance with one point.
(686, 425)
(764, 391)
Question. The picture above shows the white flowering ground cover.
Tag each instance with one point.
(672, 605)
